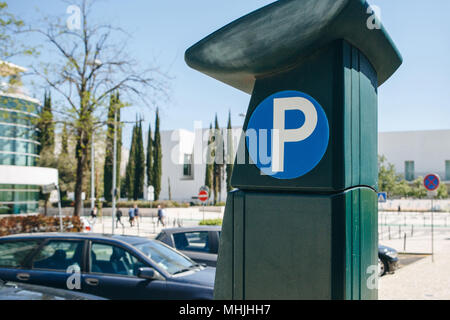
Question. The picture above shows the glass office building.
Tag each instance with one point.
(18, 147)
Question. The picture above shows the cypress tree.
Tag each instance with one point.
(109, 147)
(139, 164)
(218, 161)
(157, 159)
(230, 159)
(129, 174)
(119, 142)
(149, 161)
(46, 126)
(209, 162)
(114, 105)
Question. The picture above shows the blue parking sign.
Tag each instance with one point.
(287, 135)
(382, 196)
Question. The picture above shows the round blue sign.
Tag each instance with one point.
(431, 182)
(287, 135)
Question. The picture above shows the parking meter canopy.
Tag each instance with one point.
(325, 56)
(282, 34)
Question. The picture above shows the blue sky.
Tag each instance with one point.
(417, 97)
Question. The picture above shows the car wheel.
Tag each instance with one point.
(382, 268)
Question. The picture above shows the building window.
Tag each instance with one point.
(447, 170)
(409, 170)
(187, 166)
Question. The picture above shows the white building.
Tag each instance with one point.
(414, 154)
(20, 177)
(417, 153)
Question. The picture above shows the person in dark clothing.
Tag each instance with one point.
(131, 215)
(118, 217)
(136, 213)
(160, 216)
(93, 215)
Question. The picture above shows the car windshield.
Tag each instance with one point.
(165, 257)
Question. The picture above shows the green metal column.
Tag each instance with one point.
(314, 236)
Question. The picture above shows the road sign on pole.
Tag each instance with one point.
(431, 182)
(203, 195)
(382, 197)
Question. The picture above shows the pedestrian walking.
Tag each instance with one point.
(136, 212)
(160, 216)
(118, 218)
(131, 215)
(93, 215)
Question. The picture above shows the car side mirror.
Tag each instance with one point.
(149, 274)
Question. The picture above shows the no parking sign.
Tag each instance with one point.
(431, 182)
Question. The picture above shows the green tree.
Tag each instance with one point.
(157, 159)
(218, 161)
(149, 160)
(10, 28)
(442, 191)
(129, 173)
(418, 189)
(209, 162)
(230, 151)
(46, 139)
(66, 165)
(114, 106)
(87, 66)
(46, 125)
(139, 164)
(387, 178)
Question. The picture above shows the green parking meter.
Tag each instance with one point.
(302, 221)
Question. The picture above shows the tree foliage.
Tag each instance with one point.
(115, 106)
(230, 152)
(209, 162)
(86, 66)
(10, 28)
(139, 164)
(157, 158)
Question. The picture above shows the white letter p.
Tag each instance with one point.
(281, 135)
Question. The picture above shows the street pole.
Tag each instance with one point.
(114, 171)
(432, 230)
(59, 209)
(92, 172)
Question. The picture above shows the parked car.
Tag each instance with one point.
(23, 291)
(201, 244)
(387, 260)
(113, 267)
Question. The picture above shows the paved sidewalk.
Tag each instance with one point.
(147, 226)
(421, 280)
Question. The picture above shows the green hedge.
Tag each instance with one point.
(150, 204)
(38, 223)
(211, 222)
(126, 204)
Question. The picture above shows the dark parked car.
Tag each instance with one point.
(201, 244)
(114, 267)
(387, 260)
(23, 291)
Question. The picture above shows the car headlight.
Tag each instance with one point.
(392, 254)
